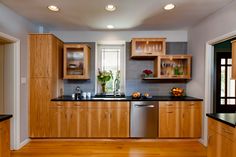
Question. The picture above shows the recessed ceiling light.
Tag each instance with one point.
(53, 8)
(110, 7)
(110, 26)
(169, 6)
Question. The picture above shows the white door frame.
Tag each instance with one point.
(16, 109)
(209, 68)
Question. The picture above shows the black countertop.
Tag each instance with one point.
(4, 117)
(129, 98)
(227, 118)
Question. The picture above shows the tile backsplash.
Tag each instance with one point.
(134, 70)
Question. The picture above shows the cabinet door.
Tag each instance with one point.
(77, 124)
(119, 123)
(191, 121)
(218, 145)
(169, 122)
(98, 120)
(40, 91)
(76, 61)
(5, 138)
(68, 120)
(40, 55)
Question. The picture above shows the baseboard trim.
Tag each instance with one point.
(22, 144)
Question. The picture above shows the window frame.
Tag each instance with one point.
(110, 43)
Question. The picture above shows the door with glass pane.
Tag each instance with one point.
(225, 87)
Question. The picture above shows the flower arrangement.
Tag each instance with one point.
(103, 77)
(147, 73)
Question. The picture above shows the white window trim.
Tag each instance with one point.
(118, 42)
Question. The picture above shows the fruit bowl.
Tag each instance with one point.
(136, 95)
(177, 91)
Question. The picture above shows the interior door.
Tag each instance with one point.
(225, 99)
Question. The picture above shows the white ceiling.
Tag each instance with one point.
(130, 14)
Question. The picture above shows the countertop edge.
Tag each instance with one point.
(5, 117)
(129, 98)
(221, 120)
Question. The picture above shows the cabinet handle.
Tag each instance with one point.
(170, 112)
(170, 104)
(149, 53)
(150, 106)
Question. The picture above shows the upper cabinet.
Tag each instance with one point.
(173, 67)
(233, 76)
(76, 61)
(147, 48)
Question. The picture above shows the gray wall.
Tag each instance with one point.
(18, 27)
(220, 23)
(134, 70)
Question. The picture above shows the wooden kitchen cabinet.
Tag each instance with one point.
(148, 47)
(76, 61)
(5, 138)
(173, 67)
(45, 82)
(221, 139)
(233, 74)
(169, 122)
(40, 94)
(191, 121)
(108, 119)
(68, 119)
(89, 119)
(180, 119)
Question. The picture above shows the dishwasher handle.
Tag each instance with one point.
(148, 106)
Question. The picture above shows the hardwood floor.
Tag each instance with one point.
(111, 148)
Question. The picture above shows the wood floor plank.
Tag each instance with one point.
(111, 148)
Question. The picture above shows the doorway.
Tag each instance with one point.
(224, 95)
(10, 84)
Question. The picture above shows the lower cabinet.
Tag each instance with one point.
(5, 138)
(89, 119)
(180, 119)
(68, 119)
(221, 140)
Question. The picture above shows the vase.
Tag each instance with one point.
(103, 88)
(148, 75)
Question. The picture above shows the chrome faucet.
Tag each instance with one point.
(116, 90)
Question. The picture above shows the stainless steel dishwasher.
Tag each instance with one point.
(144, 119)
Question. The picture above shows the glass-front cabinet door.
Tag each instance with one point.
(174, 67)
(76, 61)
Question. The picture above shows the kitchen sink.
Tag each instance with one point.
(109, 97)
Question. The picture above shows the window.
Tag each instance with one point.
(225, 87)
(111, 57)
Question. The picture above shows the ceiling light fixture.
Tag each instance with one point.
(53, 8)
(110, 26)
(169, 6)
(110, 7)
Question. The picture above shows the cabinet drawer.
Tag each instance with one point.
(223, 129)
(180, 104)
(169, 104)
(68, 105)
